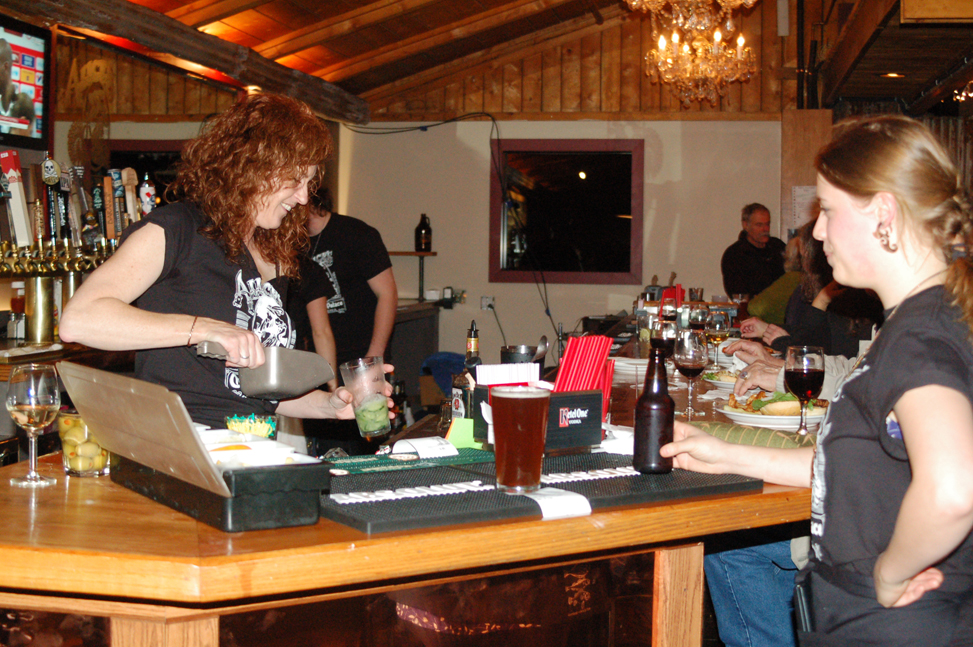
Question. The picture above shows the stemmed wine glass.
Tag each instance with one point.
(691, 356)
(717, 331)
(33, 400)
(698, 316)
(804, 376)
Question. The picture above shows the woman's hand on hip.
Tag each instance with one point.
(900, 594)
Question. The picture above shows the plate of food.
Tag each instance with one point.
(724, 379)
(773, 410)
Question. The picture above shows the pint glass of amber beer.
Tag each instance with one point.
(519, 431)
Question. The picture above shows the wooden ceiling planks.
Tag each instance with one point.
(426, 53)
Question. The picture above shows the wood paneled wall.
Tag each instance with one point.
(141, 91)
(597, 72)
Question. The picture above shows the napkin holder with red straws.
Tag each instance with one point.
(586, 366)
(579, 402)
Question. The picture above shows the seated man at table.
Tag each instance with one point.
(757, 259)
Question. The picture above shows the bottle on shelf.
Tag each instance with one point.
(424, 235)
(464, 382)
(146, 195)
(654, 416)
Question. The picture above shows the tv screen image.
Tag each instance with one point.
(25, 52)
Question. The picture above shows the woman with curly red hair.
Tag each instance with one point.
(215, 265)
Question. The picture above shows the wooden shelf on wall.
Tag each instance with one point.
(422, 269)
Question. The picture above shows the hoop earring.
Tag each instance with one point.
(883, 239)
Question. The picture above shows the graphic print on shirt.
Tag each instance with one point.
(259, 309)
(336, 304)
(819, 490)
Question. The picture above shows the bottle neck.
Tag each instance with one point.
(472, 346)
(656, 379)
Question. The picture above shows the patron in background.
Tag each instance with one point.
(362, 304)
(756, 260)
(215, 266)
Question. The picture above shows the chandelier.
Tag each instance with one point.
(965, 93)
(695, 60)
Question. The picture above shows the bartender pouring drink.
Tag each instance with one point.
(215, 265)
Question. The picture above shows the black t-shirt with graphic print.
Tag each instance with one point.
(351, 253)
(861, 468)
(198, 280)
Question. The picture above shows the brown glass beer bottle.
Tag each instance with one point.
(654, 413)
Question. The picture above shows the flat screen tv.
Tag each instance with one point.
(25, 103)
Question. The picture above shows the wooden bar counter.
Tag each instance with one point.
(89, 546)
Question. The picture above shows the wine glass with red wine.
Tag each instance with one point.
(698, 316)
(691, 355)
(804, 376)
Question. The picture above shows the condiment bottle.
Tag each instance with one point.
(424, 235)
(654, 414)
(463, 382)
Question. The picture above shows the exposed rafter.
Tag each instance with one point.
(347, 22)
(204, 12)
(572, 30)
(509, 12)
(163, 34)
(868, 17)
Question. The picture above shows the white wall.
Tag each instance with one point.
(698, 175)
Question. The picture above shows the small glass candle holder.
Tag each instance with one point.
(83, 455)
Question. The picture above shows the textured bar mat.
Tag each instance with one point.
(442, 496)
(398, 462)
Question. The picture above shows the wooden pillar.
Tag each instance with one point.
(677, 597)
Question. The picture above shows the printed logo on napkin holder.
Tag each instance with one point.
(573, 423)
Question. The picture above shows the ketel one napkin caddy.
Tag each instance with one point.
(573, 421)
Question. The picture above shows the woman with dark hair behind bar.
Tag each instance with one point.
(215, 265)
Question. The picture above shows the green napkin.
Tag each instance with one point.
(756, 436)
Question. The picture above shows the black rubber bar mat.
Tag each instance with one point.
(441, 496)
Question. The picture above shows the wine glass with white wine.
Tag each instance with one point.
(717, 331)
(33, 400)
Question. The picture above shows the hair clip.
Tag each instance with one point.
(959, 251)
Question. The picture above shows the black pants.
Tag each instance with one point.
(845, 612)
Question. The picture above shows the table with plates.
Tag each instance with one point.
(711, 396)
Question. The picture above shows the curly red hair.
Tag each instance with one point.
(246, 153)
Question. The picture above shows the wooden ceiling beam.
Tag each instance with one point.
(465, 28)
(867, 19)
(160, 33)
(205, 12)
(523, 47)
(942, 88)
(340, 25)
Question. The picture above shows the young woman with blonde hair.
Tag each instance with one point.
(892, 474)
